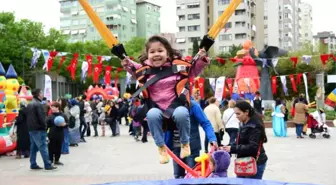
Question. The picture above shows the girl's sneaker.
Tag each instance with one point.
(164, 158)
(185, 150)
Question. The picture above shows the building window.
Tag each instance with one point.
(192, 39)
(181, 17)
(193, 16)
(224, 49)
(265, 26)
(220, 13)
(225, 37)
(240, 12)
(306, 34)
(193, 5)
(181, 29)
(124, 27)
(240, 36)
(133, 29)
(182, 51)
(194, 28)
(65, 23)
(240, 24)
(228, 25)
(75, 22)
(265, 17)
(181, 40)
(223, 2)
(148, 25)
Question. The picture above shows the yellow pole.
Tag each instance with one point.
(223, 19)
(99, 24)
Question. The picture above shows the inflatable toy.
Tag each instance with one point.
(59, 120)
(107, 93)
(330, 102)
(25, 93)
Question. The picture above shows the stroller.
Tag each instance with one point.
(317, 127)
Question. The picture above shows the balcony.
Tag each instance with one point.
(111, 3)
(66, 9)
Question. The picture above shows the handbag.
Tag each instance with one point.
(12, 133)
(246, 166)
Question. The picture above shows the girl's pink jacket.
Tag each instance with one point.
(163, 91)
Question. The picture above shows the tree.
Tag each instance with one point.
(195, 47)
(135, 47)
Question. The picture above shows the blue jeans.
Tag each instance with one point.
(180, 117)
(299, 128)
(66, 142)
(260, 172)
(180, 172)
(38, 142)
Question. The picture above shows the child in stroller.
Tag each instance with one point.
(317, 123)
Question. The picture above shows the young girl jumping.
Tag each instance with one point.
(159, 53)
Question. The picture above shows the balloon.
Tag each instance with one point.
(59, 120)
(247, 44)
(94, 97)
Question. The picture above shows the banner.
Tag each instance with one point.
(220, 83)
(47, 87)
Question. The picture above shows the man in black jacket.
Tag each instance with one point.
(37, 127)
(83, 126)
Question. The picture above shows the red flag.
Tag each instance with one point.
(294, 60)
(274, 81)
(324, 58)
(201, 86)
(116, 77)
(230, 86)
(100, 63)
(333, 57)
(61, 63)
(52, 55)
(108, 75)
(89, 61)
(96, 74)
(73, 65)
(220, 60)
(291, 77)
(298, 78)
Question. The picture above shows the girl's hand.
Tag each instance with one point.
(124, 62)
(202, 53)
(227, 148)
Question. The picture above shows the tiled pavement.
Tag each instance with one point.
(107, 159)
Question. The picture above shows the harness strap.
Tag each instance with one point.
(165, 72)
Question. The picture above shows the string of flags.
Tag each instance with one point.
(88, 68)
(294, 59)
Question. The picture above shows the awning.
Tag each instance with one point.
(83, 31)
(181, 40)
(74, 32)
(125, 9)
(74, 13)
(190, 4)
(114, 16)
(133, 21)
(66, 32)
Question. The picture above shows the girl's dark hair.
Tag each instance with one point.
(278, 102)
(64, 103)
(172, 53)
(254, 116)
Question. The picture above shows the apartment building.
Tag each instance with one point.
(326, 38)
(282, 23)
(148, 18)
(191, 23)
(306, 24)
(195, 18)
(120, 16)
(246, 23)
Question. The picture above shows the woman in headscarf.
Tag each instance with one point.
(23, 141)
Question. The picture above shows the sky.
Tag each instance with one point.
(48, 12)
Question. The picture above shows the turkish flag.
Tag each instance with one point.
(100, 63)
(96, 73)
(73, 65)
(52, 55)
(201, 86)
(291, 77)
(274, 81)
(108, 75)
